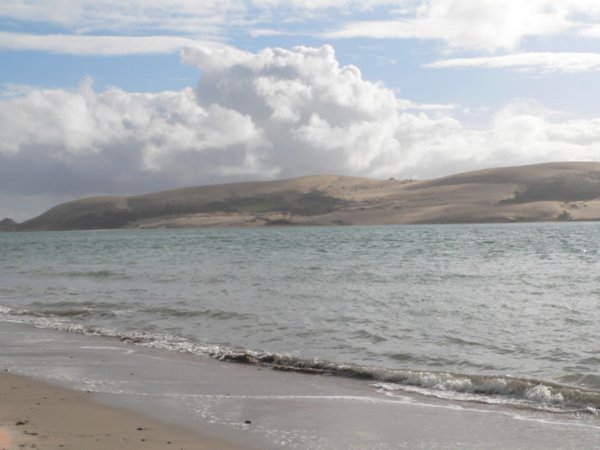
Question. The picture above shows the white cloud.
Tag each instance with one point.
(592, 31)
(529, 61)
(275, 113)
(95, 45)
(487, 25)
(8, 90)
(87, 141)
(325, 4)
(198, 17)
(523, 132)
(260, 32)
(484, 25)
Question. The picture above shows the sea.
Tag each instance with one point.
(489, 313)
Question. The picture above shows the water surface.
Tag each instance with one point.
(487, 304)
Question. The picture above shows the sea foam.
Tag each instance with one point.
(523, 392)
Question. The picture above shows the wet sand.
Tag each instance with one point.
(37, 415)
(185, 396)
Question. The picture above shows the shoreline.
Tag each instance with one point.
(227, 226)
(251, 407)
(35, 414)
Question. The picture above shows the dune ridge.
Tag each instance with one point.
(540, 192)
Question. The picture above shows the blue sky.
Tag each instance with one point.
(106, 96)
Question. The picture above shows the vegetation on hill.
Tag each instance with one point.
(553, 191)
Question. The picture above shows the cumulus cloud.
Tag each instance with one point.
(529, 61)
(319, 116)
(271, 114)
(81, 141)
(524, 132)
(310, 105)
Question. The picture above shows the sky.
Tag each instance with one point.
(126, 97)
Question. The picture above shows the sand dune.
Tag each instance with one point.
(542, 192)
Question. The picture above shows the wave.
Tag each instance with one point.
(90, 273)
(523, 392)
(60, 310)
(73, 304)
(212, 313)
(52, 312)
(98, 274)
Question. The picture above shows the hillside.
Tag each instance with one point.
(542, 192)
(8, 225)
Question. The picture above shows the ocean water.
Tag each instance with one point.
(503, 313)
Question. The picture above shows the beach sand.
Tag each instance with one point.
(37, 415)
(119, 387)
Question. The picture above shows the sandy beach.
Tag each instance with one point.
(37, 415)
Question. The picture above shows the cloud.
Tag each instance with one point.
(272, 114)
(318, 116)
(592, 31)
(260, 32)
(198, 17)
(310, 105)
(485, 25)
(529, 61)
(325, 4)
(56, 141)
(95, 45)
(523, 131)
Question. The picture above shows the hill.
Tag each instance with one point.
(8, 225)
(541, 192)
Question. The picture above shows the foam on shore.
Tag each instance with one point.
(500, 389)
(258, 408)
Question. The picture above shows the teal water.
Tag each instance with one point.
(495, 311)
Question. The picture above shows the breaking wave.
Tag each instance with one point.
(523, 392)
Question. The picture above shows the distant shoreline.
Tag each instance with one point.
(312, 225)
